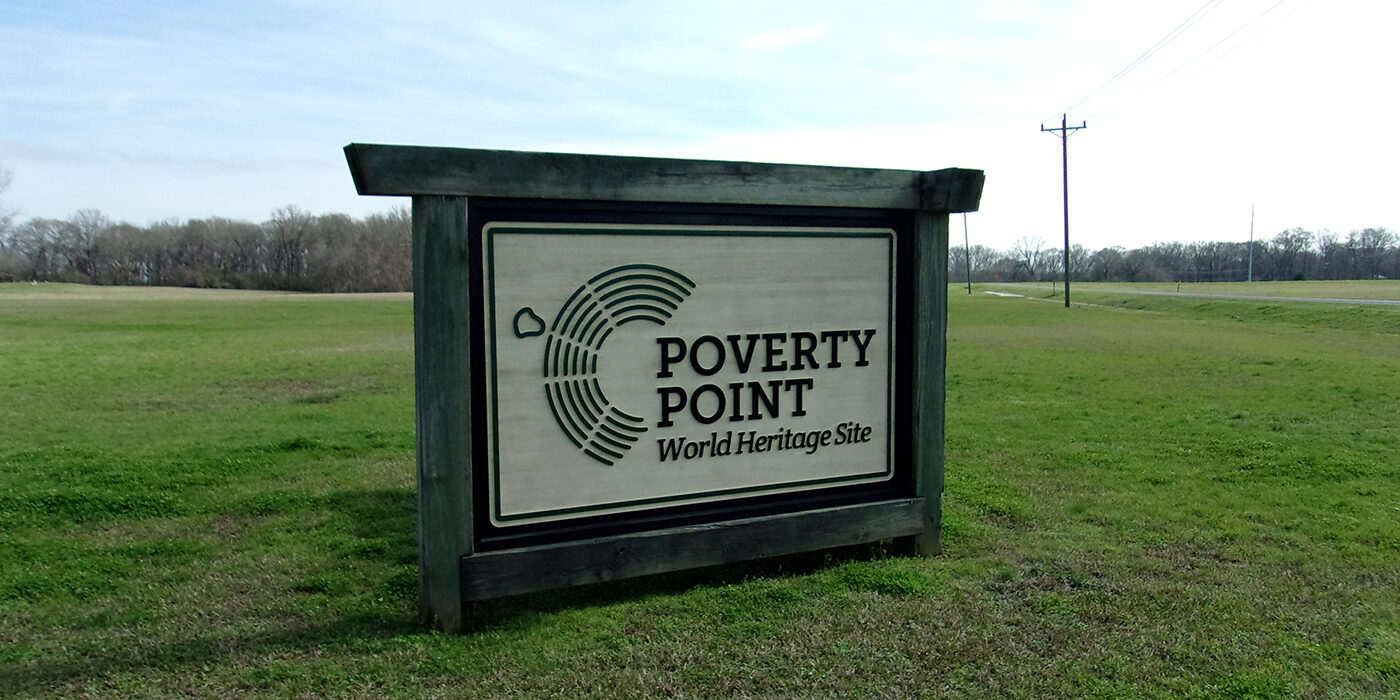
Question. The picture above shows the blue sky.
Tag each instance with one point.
(158, 109)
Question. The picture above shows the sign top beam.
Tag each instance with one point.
(420, 170)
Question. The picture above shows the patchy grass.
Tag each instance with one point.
(212, 494)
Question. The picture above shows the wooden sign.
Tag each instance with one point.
(635, 367)
(632, 365)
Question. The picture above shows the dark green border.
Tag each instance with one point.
(586, 229)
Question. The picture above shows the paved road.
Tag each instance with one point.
(1249, 297)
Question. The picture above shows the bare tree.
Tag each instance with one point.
(36, 241)
(1028, 252)
(370, 255)
(1368, 249)
(1138, 266)
(10, 260)
(1285, 251)
(1106, 264)
(958, 264)
(78, 239)
(287, 232)
(7, 215)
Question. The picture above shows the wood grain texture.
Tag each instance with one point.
(951, 190)
(929, 373)
(441, 328)
(522, 570)
(419, 170)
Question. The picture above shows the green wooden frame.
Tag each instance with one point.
(440, 180)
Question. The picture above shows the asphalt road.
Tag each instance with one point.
(1249, 297)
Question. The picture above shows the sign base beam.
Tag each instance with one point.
(527, 569)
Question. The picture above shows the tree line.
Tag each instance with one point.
(297, 251)
(292, 250)
(1295, 254)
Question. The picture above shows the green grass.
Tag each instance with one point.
(211, 493)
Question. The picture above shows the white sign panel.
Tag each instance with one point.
(634, 366)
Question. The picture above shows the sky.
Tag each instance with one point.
(168, 109)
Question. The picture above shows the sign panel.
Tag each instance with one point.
(632, 366)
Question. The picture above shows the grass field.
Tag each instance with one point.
(211, 493)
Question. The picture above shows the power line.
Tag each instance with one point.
(1212, 47)
(1249, 38)
(1167, 39)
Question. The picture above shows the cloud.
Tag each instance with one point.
(785, 38)
(178, 109)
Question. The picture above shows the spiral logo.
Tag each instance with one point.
(574, 340)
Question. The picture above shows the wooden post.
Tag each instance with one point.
(927, 375)
(441, 327)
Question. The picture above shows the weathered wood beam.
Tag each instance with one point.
(420, 170)
(442, 368)
(928, 373)
(526, 569)
(951, 190)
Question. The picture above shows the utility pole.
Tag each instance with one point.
(1064, 131)
(967, 255)
(1251, 243)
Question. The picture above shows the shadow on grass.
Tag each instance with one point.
(376, 513)
(523, 610)
(191, 655)
(367, 541)
(380, 523)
